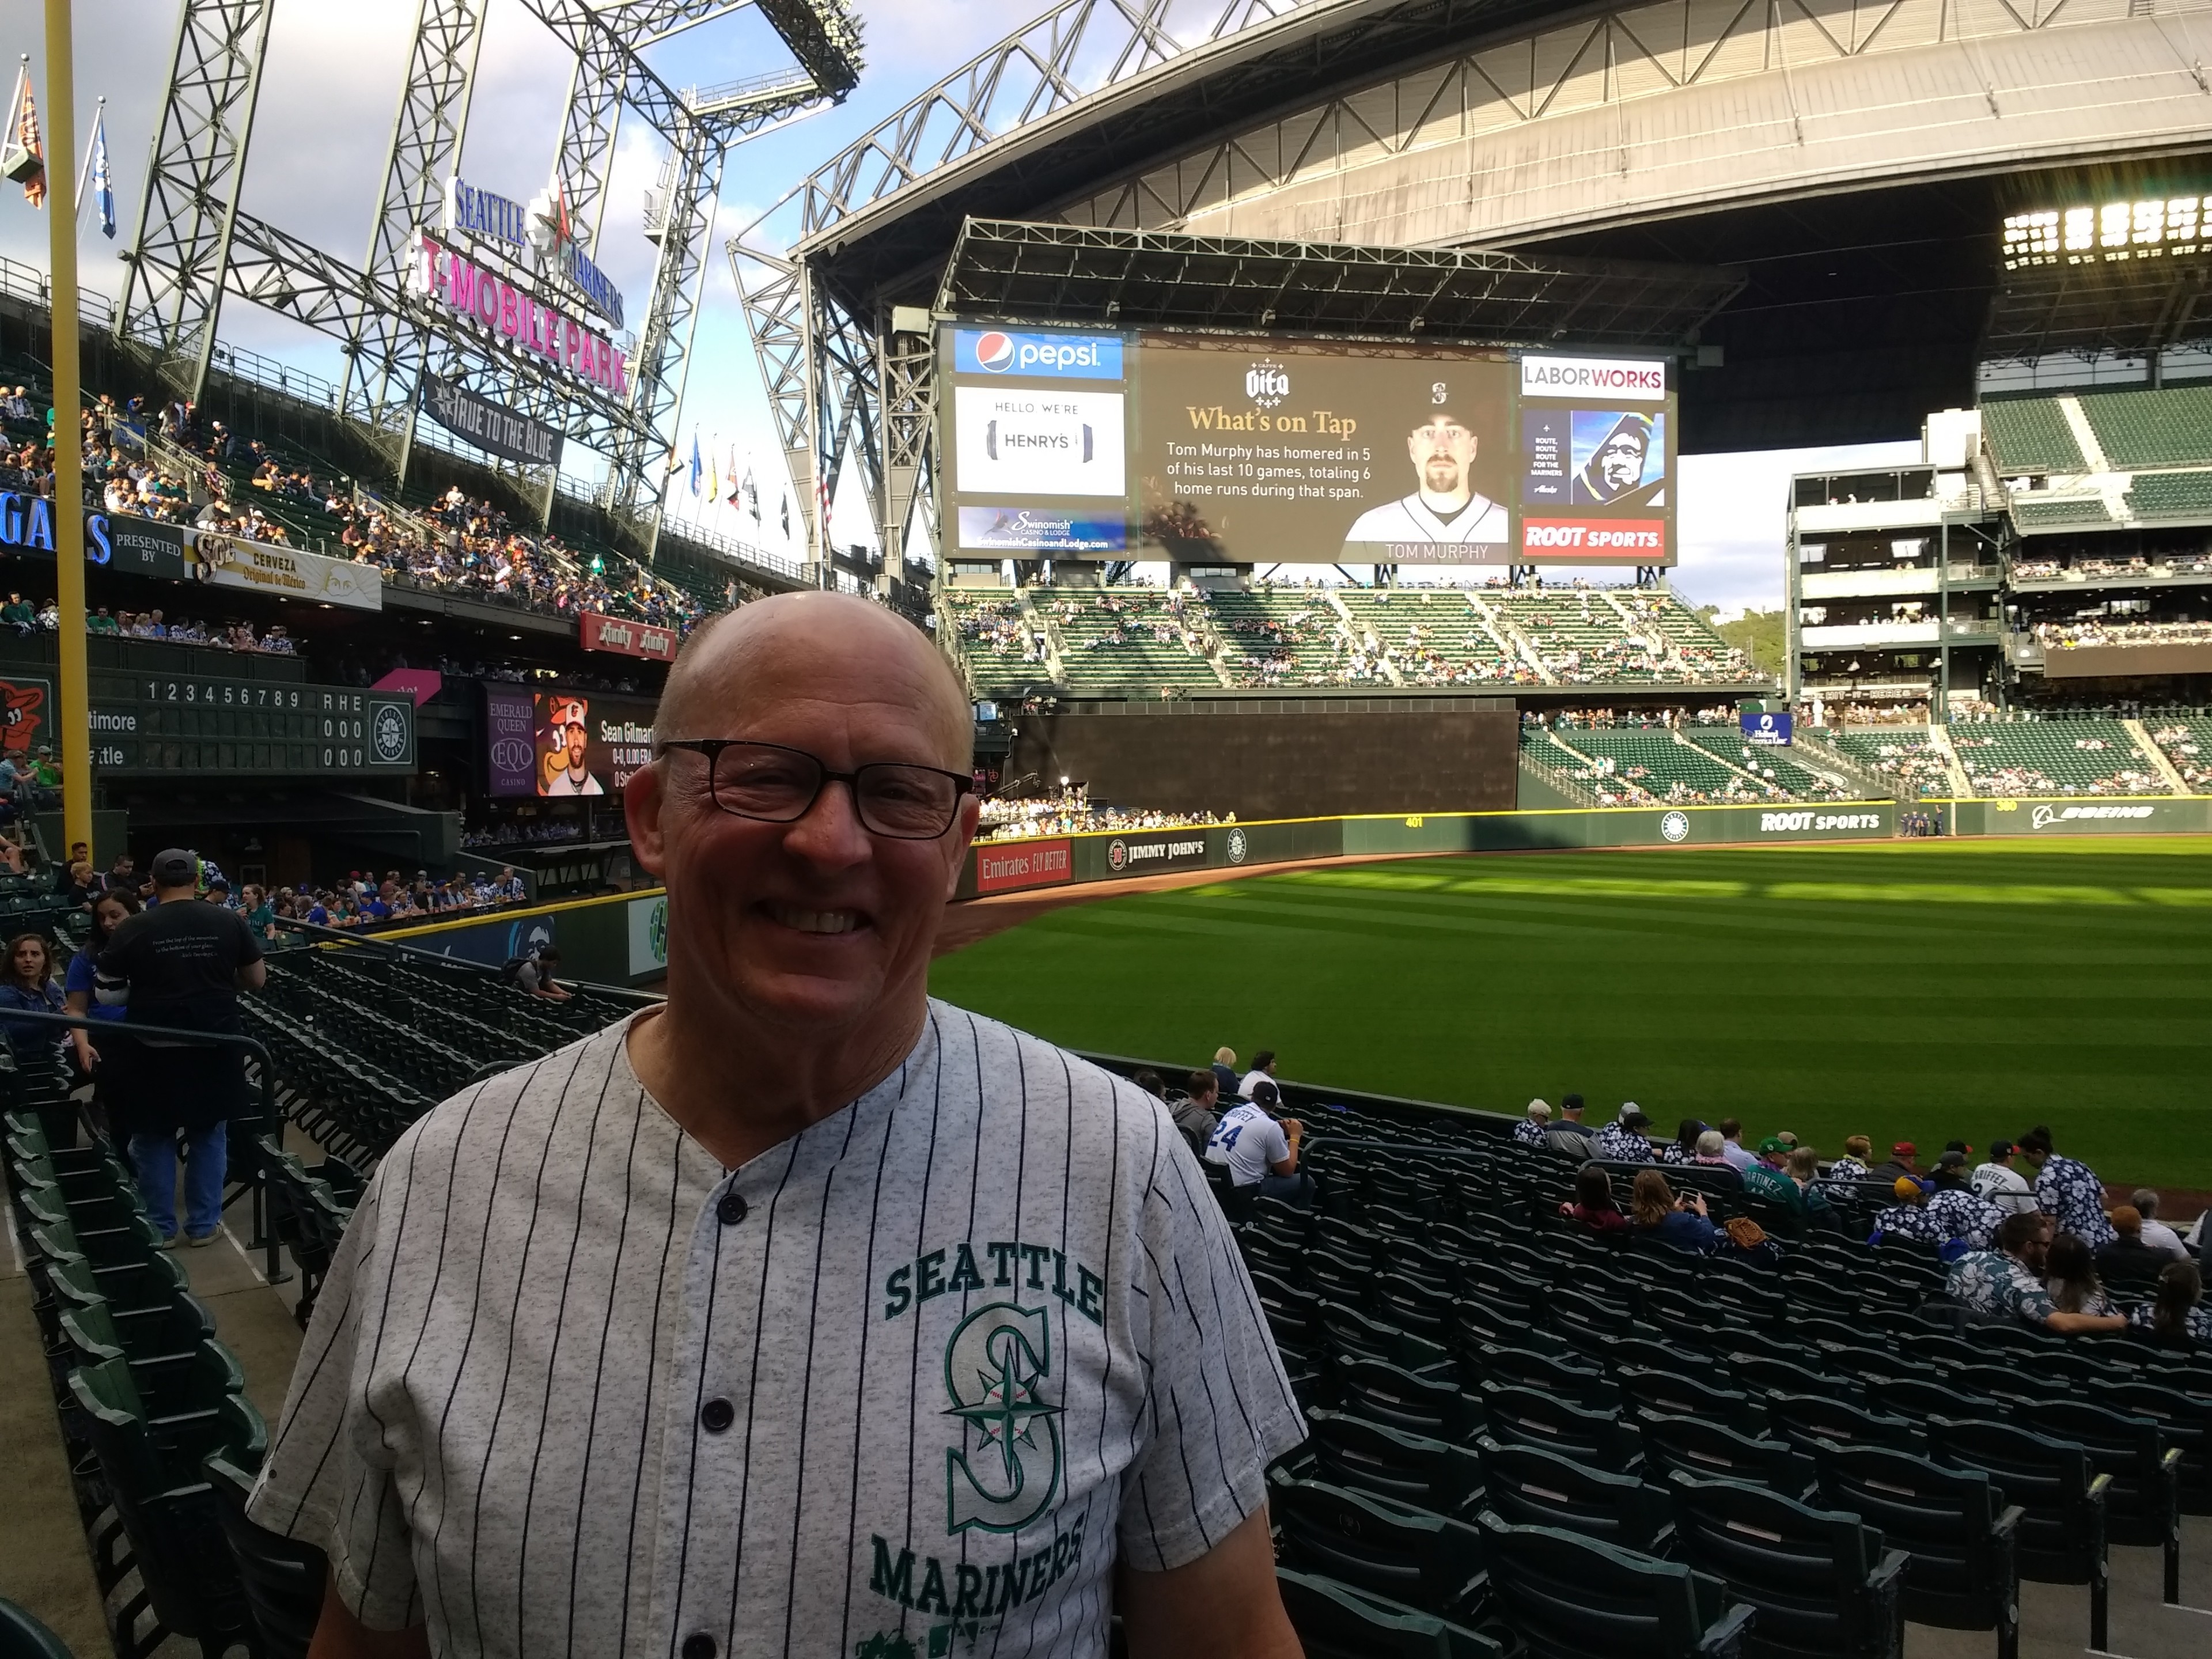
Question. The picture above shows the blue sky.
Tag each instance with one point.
(324, 119)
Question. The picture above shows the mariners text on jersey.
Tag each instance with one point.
(905, 1384)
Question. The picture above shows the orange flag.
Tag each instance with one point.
(23, 131)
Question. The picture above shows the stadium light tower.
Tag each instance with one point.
(195, 245)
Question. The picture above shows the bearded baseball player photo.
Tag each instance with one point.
(800, 1313)
(1444, 507)
(565, 767)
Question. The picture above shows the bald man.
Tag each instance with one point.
(801, 1314)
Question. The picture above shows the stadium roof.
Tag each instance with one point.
(1023, 271)
(887, 213)
(2131, 307)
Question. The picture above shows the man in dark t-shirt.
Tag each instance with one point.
(180, 964)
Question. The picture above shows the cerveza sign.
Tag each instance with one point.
(542, 227)
(488, 425)
(455, 284)
(138, 547)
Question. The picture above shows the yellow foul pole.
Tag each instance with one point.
(76, 721)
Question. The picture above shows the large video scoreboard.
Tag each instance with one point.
(1066, 445)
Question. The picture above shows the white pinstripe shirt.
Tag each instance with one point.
(905, 1383)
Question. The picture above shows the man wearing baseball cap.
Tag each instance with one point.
(180, 964)
(1902, 1157)
(2003, 1185)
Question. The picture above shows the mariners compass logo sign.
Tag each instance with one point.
(1002, 1474)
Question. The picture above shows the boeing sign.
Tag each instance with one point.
(1047, 356)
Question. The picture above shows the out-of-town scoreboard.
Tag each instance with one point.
(197, 725)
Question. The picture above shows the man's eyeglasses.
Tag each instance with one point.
(772, 784)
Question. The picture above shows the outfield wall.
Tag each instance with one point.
(2105, 815)
(620, 938)
(1107, 857)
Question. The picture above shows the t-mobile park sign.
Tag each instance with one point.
(471, 293)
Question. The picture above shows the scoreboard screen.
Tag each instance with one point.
(200, 725)
(1198, 448)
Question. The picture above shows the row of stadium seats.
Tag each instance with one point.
(2054, 757)
(1906, 756)
(1626, 766)
(162, 1443)
(1136, 638)
(1528, 1436)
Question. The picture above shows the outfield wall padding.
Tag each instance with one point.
(1116, 855)
(2102, 815)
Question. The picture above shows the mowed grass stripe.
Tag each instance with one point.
(1923, 990)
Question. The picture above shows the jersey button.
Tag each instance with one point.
(716, 1415)
(730, 1209)
(698, 1645)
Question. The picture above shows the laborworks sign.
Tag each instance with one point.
(1050, 357)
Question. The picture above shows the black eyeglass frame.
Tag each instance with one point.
(712, 748)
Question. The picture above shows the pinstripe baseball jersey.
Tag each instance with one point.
(903, 1385)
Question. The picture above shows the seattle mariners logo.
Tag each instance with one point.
(997, 1359)
(1237, 847)
(1675, 826)
(390, 730)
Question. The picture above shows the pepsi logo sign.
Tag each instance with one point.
(995, 352)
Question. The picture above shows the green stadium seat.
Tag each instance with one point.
(1425, 1561)
(1336, 1621)
(2061, 1531)
(1568, 1597)
(1706, 1449)
(1408, 1468)
(1819, 1580)
(1952, 1523)
(1527, 1485)
(2030, 435)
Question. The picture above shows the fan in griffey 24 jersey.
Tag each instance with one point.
(711, 1335)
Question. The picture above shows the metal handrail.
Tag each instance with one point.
(343, 936)
(272, 1113)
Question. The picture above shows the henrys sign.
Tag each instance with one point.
(456, 285)
(631, 639)
(231, 561)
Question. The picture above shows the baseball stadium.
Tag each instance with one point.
(1147, 976)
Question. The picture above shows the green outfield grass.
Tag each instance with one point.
(1920, 990)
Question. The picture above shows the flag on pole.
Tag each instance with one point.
(103, 184)
(714, 480)
(25, 156)
(787, 515)
(695, 465)
(751, 492)
(736, 490)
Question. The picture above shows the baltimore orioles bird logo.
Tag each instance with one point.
(23, 719)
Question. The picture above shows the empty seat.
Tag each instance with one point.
(1584, 1384)
(2062, 1500)
(1707, 1449)
(1336, 1621)
(1429, 1406)
(1527, 1416)
(1802, 1419)
(1952, 1522)
(1408, 1468)
(1527, 1485)
(1425, 1561)
(1819, 1580)
(1673, 1395)
(1570, 1597)
(2142, 1504)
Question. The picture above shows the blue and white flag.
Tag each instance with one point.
(695, 465)
(103, 184)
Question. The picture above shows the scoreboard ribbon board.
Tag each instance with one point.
(173, 724)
